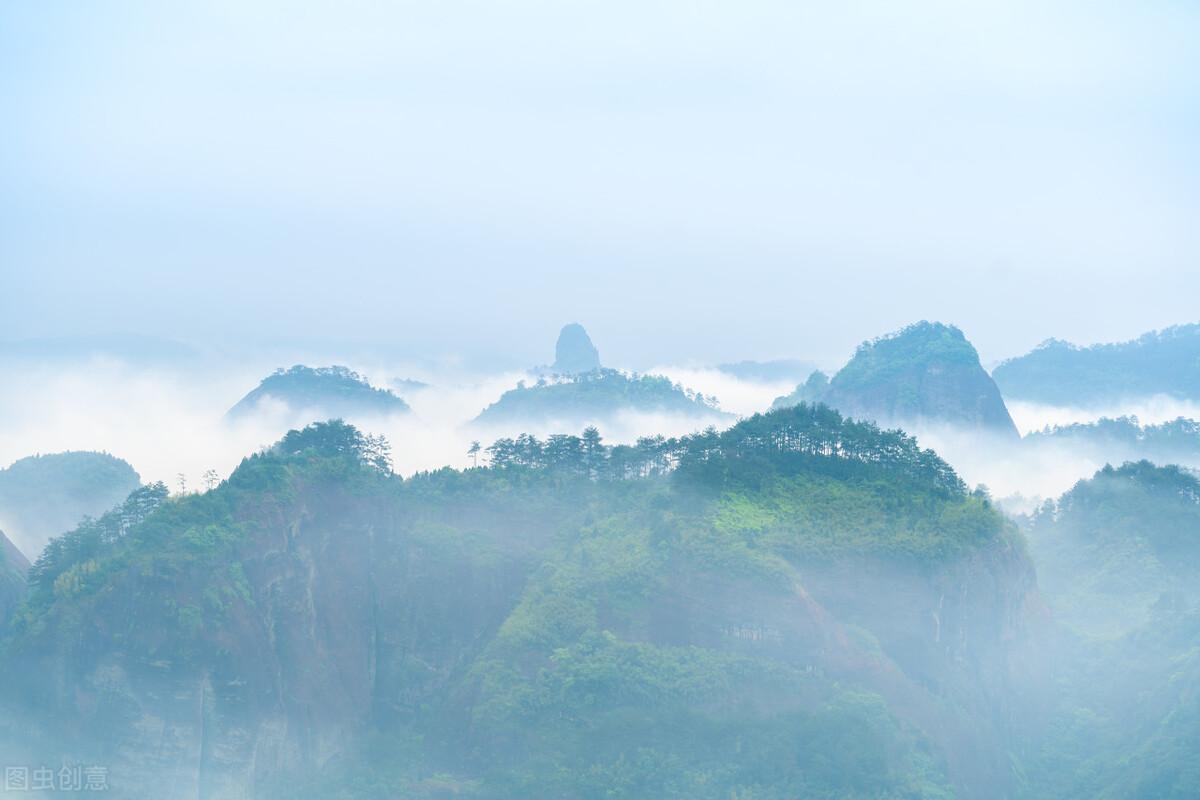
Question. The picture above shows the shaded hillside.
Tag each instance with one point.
(797, 607)
(324, 391)
(596, 397)
(1060, 373)
(1119, 561)
(45, 495)
(925, 374)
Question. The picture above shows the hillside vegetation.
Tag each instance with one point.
(799, 606)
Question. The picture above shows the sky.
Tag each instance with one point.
(693, 181)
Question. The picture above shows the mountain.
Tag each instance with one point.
(13, 569)
(927, 373)
(1119, 562)
(574, 352)
(45, 495)
(596, 396)
(1060, 373)
(1113, 546)
(324, 391)
(1125, 439)
(800, 606)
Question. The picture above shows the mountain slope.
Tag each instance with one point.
(324, 391)
(13, 569)
(1119, 559)
(925, 374)
(800, 606)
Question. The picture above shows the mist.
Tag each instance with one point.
(301, 499)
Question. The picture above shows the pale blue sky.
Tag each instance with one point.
(691, 180)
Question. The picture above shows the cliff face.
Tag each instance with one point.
(507, 632)
(925, 374)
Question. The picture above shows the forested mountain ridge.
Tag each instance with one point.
(1061, 373)
(925, 374)
(798, 606)
(596, 396)
(1119, 561)
(327, 391)
(44, 495)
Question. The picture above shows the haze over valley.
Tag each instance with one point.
(599, 401)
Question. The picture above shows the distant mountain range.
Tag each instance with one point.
(1060, 373)
(926, 374)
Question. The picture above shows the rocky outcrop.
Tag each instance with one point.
(574, 352)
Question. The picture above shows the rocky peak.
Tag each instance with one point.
(574, 352)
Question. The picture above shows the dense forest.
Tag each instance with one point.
(741, 614)
(1060, 373)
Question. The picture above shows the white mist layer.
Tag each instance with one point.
(169, 422)
(739, 397)
(1151, 410)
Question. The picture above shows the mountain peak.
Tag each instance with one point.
(574, 351)
(927, 372)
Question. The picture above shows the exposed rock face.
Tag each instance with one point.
(574, 352)
(926, 374)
